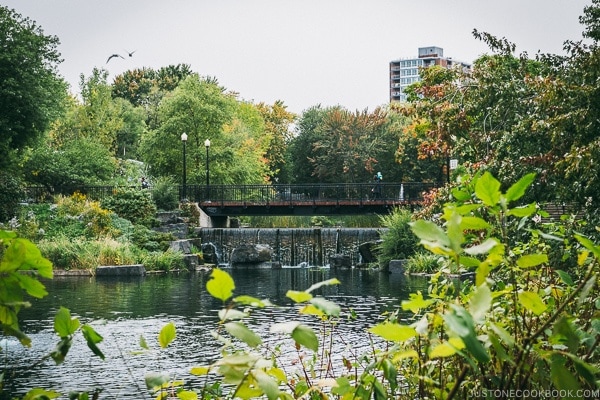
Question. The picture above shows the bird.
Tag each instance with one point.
(130, 53)
(113, 56)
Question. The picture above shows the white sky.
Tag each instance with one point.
(304, 52)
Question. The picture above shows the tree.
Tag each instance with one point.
(31, 94)
(203, 110)
(277, 125)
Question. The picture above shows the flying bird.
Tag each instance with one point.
(130, 53)
(113, 56)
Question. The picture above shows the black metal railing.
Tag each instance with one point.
(257, 194)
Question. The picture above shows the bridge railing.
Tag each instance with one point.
(261, 194)
(299, 193)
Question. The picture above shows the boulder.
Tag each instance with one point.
(340, 261)
(121, 270)
(251, 254)
(368, 251)
(397, 267)
(209, 253)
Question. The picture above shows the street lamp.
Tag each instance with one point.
(207, 145)
(184, 138)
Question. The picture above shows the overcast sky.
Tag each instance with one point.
(304, 52)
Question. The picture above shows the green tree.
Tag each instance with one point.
(277, 125)
(31, 94)
(203, 110)
(79, 162)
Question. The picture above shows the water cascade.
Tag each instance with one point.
(293, 246)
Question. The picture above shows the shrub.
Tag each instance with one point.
(10, 195)
(164, 194)
(163, 260)
(421, 262)
(398, 241)
(135, 205)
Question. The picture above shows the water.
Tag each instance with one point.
(124, 310)
(294, 246)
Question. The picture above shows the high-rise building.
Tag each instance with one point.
(405, 71)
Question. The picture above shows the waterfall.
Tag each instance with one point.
(292, 246)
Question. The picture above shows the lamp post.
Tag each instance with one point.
(184, 138)
(207, 145)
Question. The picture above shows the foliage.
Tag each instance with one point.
(21, 266)
(163, 261)
(32, 94)
(10, 194)
(519, 325)
(76, 254)
(335, 145)
(133, 204)
(164, 194)
(397, 241)
(79, 162)
(277, 125)
(422, 263)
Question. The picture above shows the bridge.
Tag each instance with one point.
(274, 199)
(305, 199)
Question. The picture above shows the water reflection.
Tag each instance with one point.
(122, 310)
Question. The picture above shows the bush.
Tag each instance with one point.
(163, 261)
(423, 263)
(69, 254)
(10, 195)
(135, 205)
(164, 194)
(398, 242)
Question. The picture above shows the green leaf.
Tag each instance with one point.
(480, 302)
(532, 260)
(200, 370)
(393, 332)
(328, 307)
(416, 302)
(166, 335)
(306, 337)
(565, 277)
(487, 189)
(240, 331)
(532, 302)
(221, 285)
(430, 232)
(64, 325)
(143, 343)
(518, 189)
(251, 301)
(41, 394)
(562, 378)
(328, 282)
(299, 297)
(284, 327)
(524, 211)
(32, 286)
(460, 322)
(468, 223)
(92, 338)
(155, 380)
(62, 348)
(587, 288)
(267, 384)
(482, 248)
(447, 349)
(229, 314)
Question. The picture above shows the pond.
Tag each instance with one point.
(124, 310)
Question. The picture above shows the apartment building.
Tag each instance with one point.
(405, 71)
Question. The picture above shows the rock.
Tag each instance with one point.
(397, 266)
(368, 251)
(251, 253)
(340, 261)
(121, 270)
(209, 253)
